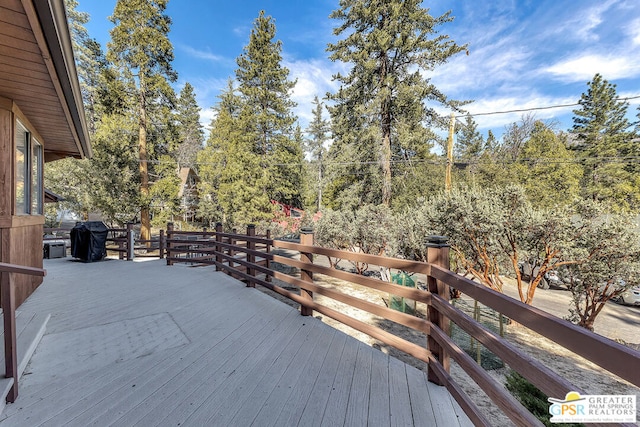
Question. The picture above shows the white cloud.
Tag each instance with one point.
(514, 103)
(633, 30)
(201, 54)
(582, 23)
(314, 77)
(206, 116)
(584, 67)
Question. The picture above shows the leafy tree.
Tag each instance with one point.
(70, 179)
(264, 88)
(318, 132)
(515, 136)
(547, 170)
(190, 133)
(113, 176)
(606, 252)
(491, 231)
(473, 220)
(602, 138)
(388, 44)
(367, 230)
(141, 50)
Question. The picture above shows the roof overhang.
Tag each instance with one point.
(38, 73)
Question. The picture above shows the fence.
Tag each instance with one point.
(247, 257)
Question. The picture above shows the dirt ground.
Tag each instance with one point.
(577, 370)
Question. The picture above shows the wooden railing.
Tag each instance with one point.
(8, 299)
(247, 257)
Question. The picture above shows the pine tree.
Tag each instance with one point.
(89, 59)
(231, 176)
(141, 50)
(470, 142)
(190, 133)
(468, 149)
(265, 91)
(603, 137)
(388, 44)
(547, 170)
(318, 132)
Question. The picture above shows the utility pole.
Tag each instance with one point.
(447, 178)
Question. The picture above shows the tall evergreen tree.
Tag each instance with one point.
(389, 44)
(318, 135)
(190, 133)
(141, 50)
(468, 150)
(603, 137)
(546, 169)
(90, 61)
(265, 90)
(470, 142)
(231, 176)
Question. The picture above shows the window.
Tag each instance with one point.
(37, 191)
(22, 170)
(28, 173)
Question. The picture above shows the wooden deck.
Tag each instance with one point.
(140, 343)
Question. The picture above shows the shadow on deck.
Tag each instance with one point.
(145, 344)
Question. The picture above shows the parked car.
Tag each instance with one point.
(631, 296)
(529, 270)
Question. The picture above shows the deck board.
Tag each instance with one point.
(358, 406)
(336, 409)
(310, 410)
(379, 411)
(399, 394)
(140, 343)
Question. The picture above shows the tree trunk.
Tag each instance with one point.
(385, 125)
(386, 168)
(319, 183)
(145, 220)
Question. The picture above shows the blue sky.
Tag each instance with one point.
(522, 53)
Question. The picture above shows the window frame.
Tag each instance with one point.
(29, 172)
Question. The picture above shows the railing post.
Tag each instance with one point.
(251, 258)
(306, 238)
(230, 250)
(8, 296)
(121, 247)
(267, 260)
(438, 254)
(161, 244)
(130, 242)
(169, 237)
(218, 247)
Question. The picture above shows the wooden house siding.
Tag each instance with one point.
(40, 89)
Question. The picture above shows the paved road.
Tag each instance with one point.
(616, 321)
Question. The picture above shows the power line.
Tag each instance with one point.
(548, 107)
(442, 161)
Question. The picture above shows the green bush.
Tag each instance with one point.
(533, 399)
